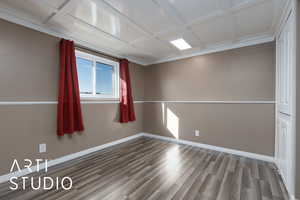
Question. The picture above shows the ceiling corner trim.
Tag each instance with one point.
(4, 14)
(37, 27)
(289, 5)
(245, 43)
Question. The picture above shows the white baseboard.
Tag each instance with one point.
(23, 172)
(291, 196)
(211, 147)
(6, 177)
(220, 149)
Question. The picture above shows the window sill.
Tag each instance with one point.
(98, 99)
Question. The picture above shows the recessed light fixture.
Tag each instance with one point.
(181, 44)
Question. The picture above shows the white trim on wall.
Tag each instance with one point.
(286, 10)
(211, 147)
(292, 197)
(27, 102)
(220, 48)
(138, 101)
(287, 165)
(215, 102)
(55, 102)
(6, 177)
(66, 158)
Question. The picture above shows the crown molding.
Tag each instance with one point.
(247, 42)
(4, 14)
(289, 5)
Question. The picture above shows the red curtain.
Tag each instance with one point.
(69, 117)
(126, 104)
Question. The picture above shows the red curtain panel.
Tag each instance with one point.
(126, 101)
(69, 116)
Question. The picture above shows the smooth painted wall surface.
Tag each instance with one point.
(244, 74)
(24, 127)
(247, 127)
(241, 74)
(29, 72)
(29, 69)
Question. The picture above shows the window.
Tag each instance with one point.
(98, 77)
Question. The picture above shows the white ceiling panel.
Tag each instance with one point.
(194, 9)
(141, 30)
(187, 35)
(54, 3)
(95, 14)
(82, 31)
(30, 9)
(145, 13)
(137, 54)
(249, 23)
(217, 30)
(225, 4)
(155, 47)
(241, 2)
(230, 4)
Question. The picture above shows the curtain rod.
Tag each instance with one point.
(95, 51)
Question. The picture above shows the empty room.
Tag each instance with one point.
(149, 99)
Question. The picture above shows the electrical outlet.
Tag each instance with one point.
(42, 148)
(197, 133)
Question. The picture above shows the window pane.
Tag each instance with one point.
(84, 68)
(104, 79)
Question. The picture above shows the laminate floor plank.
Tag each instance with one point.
(152, 169)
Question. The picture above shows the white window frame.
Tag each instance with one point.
(116, 77)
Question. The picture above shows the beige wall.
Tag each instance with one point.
(247, 127)
(29, 71)
(29, 64)
(24, 127)
(242, 74)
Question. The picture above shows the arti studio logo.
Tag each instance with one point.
(37, 183)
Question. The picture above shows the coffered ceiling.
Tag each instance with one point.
(141, 30)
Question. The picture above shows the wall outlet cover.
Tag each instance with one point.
(197, 133)
(42, 148)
